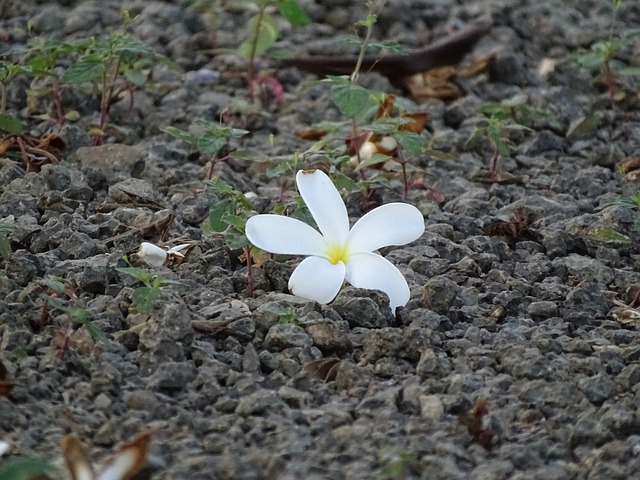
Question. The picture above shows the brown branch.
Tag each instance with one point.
(446, 51)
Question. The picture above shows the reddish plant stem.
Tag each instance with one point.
(405, 180)
(493, 168)
(108, 87)
(250, 279)
(57, 100)
(23, 151)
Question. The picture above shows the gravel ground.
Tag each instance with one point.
(515, 356)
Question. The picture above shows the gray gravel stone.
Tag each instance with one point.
(439, 294)
(287, 335)
(363, 308)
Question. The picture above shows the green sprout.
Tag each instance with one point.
(5, 243)
(212, 143)
(59, 296)
(145, 297)
(495, 127)
(601, 56)
(262, 34)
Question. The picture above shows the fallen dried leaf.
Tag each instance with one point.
(325, 369)
(311, 134)
(123, 465)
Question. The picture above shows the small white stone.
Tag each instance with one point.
(431, 407)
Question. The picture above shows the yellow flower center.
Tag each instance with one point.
(338, 253)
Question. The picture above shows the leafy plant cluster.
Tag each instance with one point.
(145, 296)
(59, 297)
(601, 57)
(107, 67)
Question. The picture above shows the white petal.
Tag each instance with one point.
(284, 235)
(178, 248)
(325, 204)
(368, 270)
(317, 279)
(152, 254)
(390, 224)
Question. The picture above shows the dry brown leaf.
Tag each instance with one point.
(129, 460)
(5, 387)
(311, 134)
(441, 82)
(123, 465)
(386, 107)
(435, 83)
(53, 144)
(626, 315)
(325, 369)
(418, 121)
(76, 459)
(476, 67)
(630, 168)
(6, 143)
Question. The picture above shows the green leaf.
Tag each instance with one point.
(584, 127)
(263, 33)
(216, 214)
(629, 71)
(145, 297)
(5, 247)
(245, 155)
(295, 15)
(83, 315)
(143, 276)
(219, 186)
(608, 234)
(21, 468)
(10, 124)
(411, 142)
(183, 135)
(54, 283)
(238, 132)
(235, 221)
(342, 182)
(83, 71)
(351, 99)
(236, 240)
(211, 143)
(136, 77)
(375, 159)
(40, 64)
(96, 333)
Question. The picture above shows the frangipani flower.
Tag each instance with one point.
(336, 254)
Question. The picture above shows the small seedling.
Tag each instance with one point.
(495, 128)
(213, 143)
(262, 34)
(631, 202)
(396, 463)
(6, 229)
(145, 297)
(601, 57)
(59, 296)
(108, 66)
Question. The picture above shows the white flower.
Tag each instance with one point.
(156, 256)
(336, 254)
